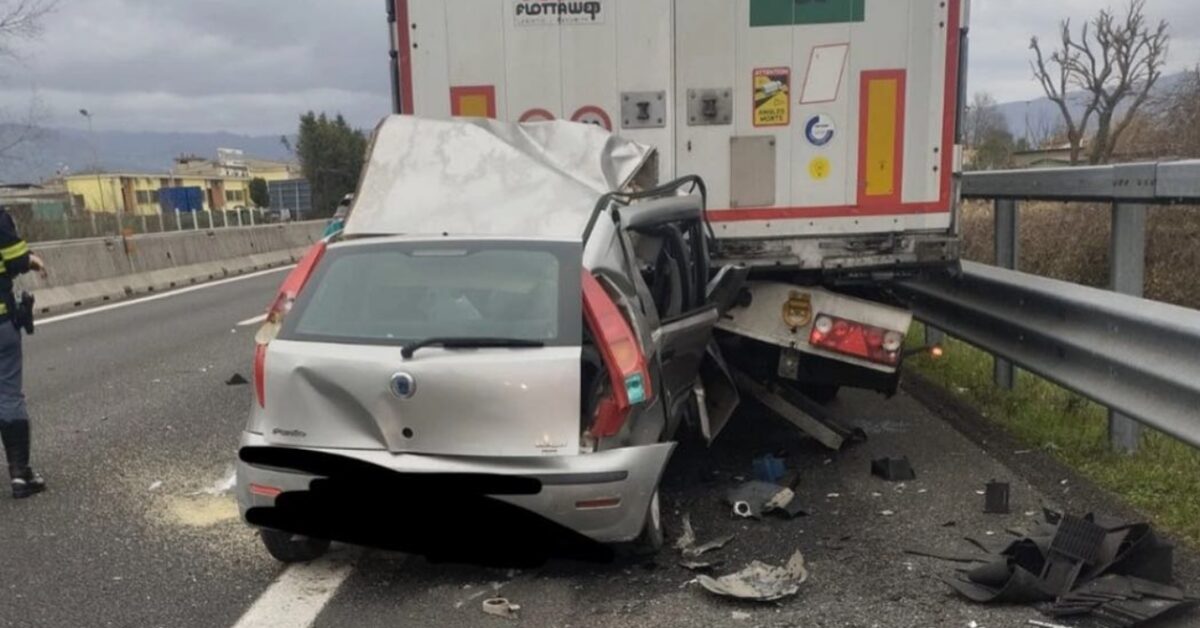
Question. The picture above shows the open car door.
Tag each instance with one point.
(671, 248)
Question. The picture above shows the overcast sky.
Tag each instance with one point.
(250, 66)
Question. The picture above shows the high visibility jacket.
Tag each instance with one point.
(14, 255)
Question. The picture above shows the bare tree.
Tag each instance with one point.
(20, 20)
(1114, 60)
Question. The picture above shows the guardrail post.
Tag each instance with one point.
(161, 228)
(92, 216)
(178, 220)
(66, 226)
(143, 217)
(225, 218)
(1008, 251)
(1127, 275)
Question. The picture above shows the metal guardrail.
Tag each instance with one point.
(1140, 358)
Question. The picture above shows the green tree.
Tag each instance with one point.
(331, 155)
(260, 195)
(988, 139)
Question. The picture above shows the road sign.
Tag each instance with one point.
(593, 115)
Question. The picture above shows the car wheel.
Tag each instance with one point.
(651, 538)
(293, 548)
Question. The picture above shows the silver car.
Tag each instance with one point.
(564, 352)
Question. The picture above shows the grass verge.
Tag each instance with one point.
(1162, 480)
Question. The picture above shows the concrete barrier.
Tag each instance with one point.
(86, 272)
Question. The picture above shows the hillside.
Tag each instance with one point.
(123, 150)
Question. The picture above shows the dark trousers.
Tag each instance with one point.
(14, 418)
(12, 397)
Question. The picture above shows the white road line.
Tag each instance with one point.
(253, 321)
(161, 295)
(300, 593)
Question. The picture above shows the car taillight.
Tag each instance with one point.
(857, 339)
(280, 306)
(260, 374)
(622, 355)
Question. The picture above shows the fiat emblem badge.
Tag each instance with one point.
(403, 385)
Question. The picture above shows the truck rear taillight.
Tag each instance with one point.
(280, 306)
(622, 356)
(857, 339)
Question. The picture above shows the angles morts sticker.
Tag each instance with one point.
(772, 100)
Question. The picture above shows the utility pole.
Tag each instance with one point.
(96, 167)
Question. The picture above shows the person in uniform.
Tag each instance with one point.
(15, 259)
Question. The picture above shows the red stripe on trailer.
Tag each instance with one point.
(404, 39)
(951, 113)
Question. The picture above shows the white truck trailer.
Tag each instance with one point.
(825, 131)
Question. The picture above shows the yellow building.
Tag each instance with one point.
(137, 194)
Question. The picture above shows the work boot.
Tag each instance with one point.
(25, 481)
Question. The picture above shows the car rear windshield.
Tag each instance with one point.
(402, 292)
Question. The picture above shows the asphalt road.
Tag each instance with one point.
(136, 430)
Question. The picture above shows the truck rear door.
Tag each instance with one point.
(819, 118)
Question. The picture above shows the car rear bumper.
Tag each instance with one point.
(630, 474)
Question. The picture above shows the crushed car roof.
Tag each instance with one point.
(488, 178)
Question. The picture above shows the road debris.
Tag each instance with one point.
(501, 607)
(236, 380)
(995, 498)
(701, 565)
(752, 499)
(686, 544)
(1093, 566)
(768, 468)
(759, 581)
(1043, 624)
(155, 485)
(740, 615)
(893, 469)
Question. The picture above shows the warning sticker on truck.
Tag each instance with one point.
(539, 12)
(772, 101)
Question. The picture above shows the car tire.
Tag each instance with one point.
(650, 541)
(286, 547)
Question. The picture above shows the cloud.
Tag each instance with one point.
(1000, 32)
(252, 66)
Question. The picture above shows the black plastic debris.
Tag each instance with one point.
(1092, 566)
(236, 380)
(1076, 544)
(995, 498)
(1122, 601)
(893, 469)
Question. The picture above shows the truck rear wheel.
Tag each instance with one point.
(286, 547)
